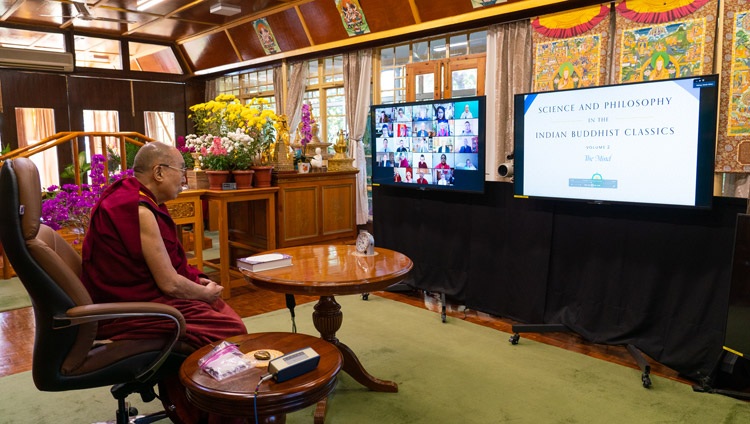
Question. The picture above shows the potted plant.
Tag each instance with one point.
(251, 125)
(242, 159)
(262, 127)
(218, 162)
(67, 209)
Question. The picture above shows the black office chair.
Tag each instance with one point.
(67, 355)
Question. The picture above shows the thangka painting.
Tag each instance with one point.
(482, 3)
(352, 17)
(663, 40)
(265, 36)
(570, 48)
(733, 148)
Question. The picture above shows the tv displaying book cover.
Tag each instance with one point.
(646, 143)
(430, 145)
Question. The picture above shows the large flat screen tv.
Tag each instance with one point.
(430, 145)
(645, 143)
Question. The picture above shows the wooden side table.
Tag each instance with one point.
(247, 224)
(234, 396)
(187, 209)
(331, 270)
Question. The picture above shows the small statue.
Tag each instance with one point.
(341, 146)
(282, 157)
(317, 160)
(315, 129)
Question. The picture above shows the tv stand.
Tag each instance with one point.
(560, 328)
(726, 363)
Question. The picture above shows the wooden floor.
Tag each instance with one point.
(17, 329)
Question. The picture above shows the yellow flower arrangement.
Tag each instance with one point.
(226, 115)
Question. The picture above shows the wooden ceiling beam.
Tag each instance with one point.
(304, 25)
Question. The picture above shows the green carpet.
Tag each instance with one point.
(455, 372)
(13, 295)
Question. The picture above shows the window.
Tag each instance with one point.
(34, 125)
(93, 52)
(34, 40)
(325, 93)
(160, 126)
(427, 58)
(248, 85)
(153, 58)
(101, 121)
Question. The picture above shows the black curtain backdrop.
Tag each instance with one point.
(654, 277)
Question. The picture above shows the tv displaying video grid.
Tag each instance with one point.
(436, 144)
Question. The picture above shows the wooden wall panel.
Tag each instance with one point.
(323, 21)
(99, 94)
(382, 15)
(288, 30)
(31, 89)
(159, 97)
(436, 9)
(210, 51)
(286, 27)
(247, 42)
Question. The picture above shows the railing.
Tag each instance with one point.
(74, 138)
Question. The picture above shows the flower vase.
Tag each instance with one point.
(262, 176)
(216, 179)
(243, 178)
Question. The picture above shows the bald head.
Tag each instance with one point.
(150, 155)
(161, 169)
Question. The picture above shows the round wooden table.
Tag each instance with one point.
(330, 270)
(234, 396)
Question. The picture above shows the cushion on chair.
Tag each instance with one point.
(63, 249)
(69, 283)
(105, 354)
(29, 196)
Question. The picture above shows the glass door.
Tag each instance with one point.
(445, 78)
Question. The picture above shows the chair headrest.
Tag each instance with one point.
(29, 196)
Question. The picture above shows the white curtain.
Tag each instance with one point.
(160, 126)
(357, 74)
(34, 125)
(509, 71)
(101, 121)
(295, 94)
(211, 89)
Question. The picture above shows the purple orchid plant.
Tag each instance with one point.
(70, 205)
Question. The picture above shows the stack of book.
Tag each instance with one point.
(263, 262)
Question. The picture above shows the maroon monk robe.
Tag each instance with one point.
(114, 270)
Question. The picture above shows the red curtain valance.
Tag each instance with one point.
(570, 24)
(657, 11)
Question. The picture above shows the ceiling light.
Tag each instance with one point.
(143, 5)
(225, 9)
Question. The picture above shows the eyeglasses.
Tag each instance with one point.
(183, 169)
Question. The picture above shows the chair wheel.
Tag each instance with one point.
(365, 296)
(646, 380)
(132, 411)
(514, 338)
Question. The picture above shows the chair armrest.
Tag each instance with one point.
(104, 311)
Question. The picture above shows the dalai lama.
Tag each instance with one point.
(132, 253)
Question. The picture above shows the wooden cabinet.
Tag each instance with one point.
(315, 208)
